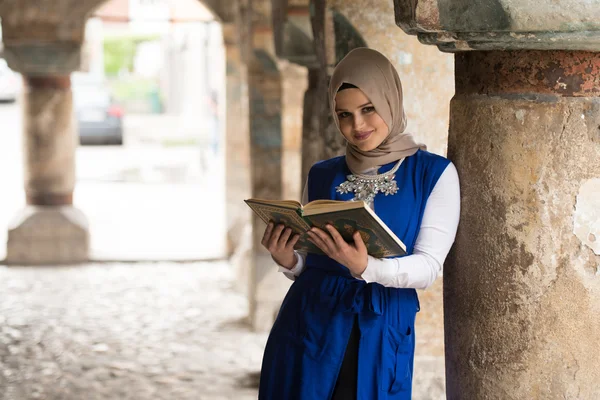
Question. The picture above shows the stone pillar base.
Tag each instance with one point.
(267, 290)
(241, 258)
(41, 235)
(263, 317)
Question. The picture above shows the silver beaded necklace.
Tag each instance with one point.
(365, 187)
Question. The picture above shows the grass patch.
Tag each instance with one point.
(181, 142)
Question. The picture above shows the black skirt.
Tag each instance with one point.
(345, 387)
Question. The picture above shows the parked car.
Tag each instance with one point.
(9, 83)
(99, 118)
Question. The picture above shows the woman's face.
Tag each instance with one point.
(359, 122)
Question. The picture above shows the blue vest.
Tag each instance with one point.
(308, 339)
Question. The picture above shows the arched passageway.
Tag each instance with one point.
(522, 134)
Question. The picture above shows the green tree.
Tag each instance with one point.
(119, 52)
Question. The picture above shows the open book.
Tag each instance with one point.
(346, 216)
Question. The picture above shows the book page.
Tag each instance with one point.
(277, 203)
(280, 215)
(325, 206)
(290, 218)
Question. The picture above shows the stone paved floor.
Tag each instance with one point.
(136, 331)
(125, 331)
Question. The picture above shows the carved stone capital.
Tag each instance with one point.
(462, 25)
(42, 59)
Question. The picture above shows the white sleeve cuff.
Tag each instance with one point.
(386, 272)
(297, 269)
(370, 274)
(416, 271)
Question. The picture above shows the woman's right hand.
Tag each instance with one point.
(276, 240)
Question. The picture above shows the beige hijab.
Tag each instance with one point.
(375, 75)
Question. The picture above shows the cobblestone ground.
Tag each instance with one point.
(136, 331)
(125, 331)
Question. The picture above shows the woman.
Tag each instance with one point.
(346, 327)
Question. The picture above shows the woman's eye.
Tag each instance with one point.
(343, 115)
(367, 110)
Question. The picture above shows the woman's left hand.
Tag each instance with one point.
(354, 256)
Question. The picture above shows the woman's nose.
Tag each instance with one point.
(359, 122)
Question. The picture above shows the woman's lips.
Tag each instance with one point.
(362, 135)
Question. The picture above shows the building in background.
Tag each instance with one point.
(156, 55)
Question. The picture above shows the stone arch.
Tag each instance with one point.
(58, 30)
(294, 35)
(224, 10)
(295, 40)
(43, 31)
(347, 36)
(43, 41)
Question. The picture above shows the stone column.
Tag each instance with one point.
(238, 183)
(294, 83)
(522, 281)
(267, 286)
(321, 139)
(521, 286)
(311, 143)
(49, 230)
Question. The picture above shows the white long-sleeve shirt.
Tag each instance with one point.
(436, 235)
